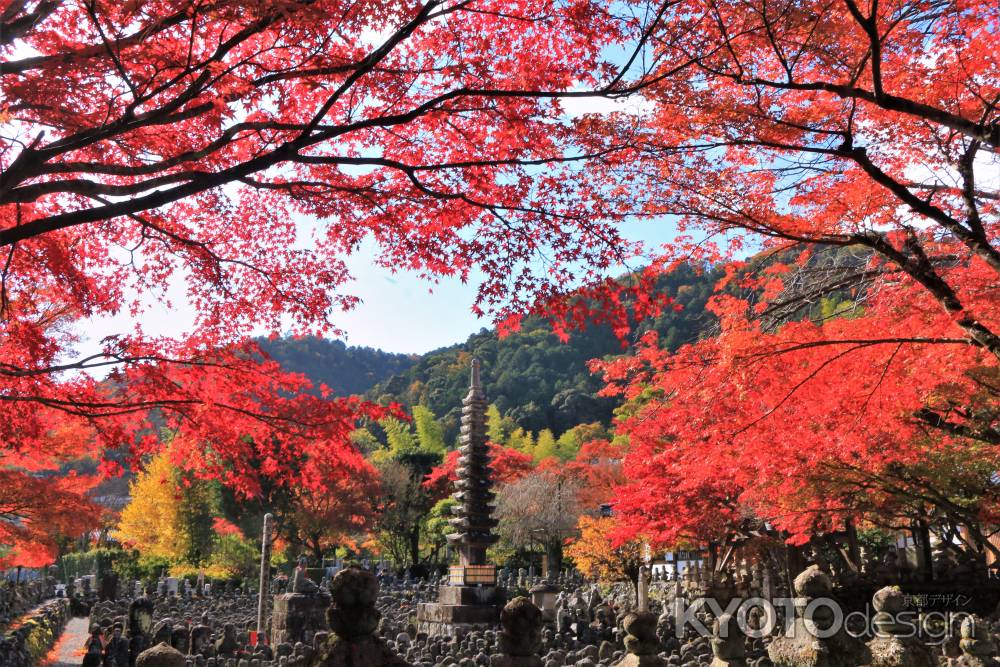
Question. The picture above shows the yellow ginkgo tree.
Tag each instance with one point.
(159, 520)
(596, 554)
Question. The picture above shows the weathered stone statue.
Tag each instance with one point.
(666, 631)
(118, 646)
(301, 583)
(140, 623)
(894, 644)
(108, 589)
(978, 648)
(804, 648)
(163, 631)
(520, 636)
(353, 620)
(180, 638)
(299, 613)
(641, 641)
(201, 636)
(227, 645)
(161, 655)
(728, 643)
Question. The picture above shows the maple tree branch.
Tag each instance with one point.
(647, 34)
(159, 25)
(91, 7)
(13, 27)
(88, 362)
(369, 63)
(985, 131)
(920, 490)
(985, 434)
(974, 238)
(967, 172)
(91, 409)
(859, 343)
(167, 113)
(283, 153)
(919, 267)
(89, 188)
(798, 385)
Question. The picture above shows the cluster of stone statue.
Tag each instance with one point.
(364, 626)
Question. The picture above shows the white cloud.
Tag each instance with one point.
(580, 106)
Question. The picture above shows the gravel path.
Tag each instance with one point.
(68, 651)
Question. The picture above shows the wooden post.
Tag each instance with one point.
(265, 574)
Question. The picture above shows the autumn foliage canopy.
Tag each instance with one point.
(235, 152)
(238, 150)
(854, 373)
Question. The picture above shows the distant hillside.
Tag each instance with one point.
(534, 378)
(530, 376)
(345, 370)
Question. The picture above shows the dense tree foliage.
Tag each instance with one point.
(599, 554)
(169, 518)
(237, 151)
(37, 512)
(858, 125)
(540, 508)
(334, 512)
(234, 153)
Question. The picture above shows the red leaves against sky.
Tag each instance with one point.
(239, 150)
(808, 425)
(793, 126)
(234, 153)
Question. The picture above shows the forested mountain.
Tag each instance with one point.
(345, 370)
(534, 378)
(531, 377)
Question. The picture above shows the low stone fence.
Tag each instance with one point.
(29, 639)
(18, 599)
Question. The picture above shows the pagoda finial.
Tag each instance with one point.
(474, 382)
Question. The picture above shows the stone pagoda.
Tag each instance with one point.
(471, 599)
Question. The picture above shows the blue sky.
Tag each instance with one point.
(399, 311)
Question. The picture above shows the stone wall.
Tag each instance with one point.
(29, 639)
(17, 600)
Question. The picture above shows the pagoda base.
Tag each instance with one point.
(461, 609)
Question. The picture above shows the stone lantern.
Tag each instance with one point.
(544, 597)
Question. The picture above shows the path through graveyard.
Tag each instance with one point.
(68, 651)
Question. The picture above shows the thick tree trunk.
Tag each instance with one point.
(553, 558)
(853, 548)
(923, 535)
(633, 576)
(415, 547)
(317, 552)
